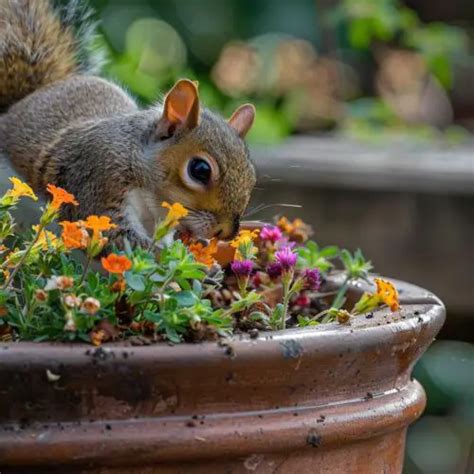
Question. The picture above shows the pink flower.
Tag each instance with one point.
(303, 301)
(274, 270)
(312, 279)
(242, 268)
(286, 258)
(270, 234)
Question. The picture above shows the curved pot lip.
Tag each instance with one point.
(419, 309)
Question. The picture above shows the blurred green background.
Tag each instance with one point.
(369, 69)
(349, 65)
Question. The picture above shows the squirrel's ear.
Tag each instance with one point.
(181, 108)
(242, 119)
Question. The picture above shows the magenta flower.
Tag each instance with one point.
(312, 279)
(274, 270)
(271, 234)
(286, 258)
(303, 301)
(242, 268)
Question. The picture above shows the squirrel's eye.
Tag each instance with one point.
(199, 170)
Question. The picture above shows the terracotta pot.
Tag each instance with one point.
(334, 398)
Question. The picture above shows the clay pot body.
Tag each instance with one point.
(327, 399)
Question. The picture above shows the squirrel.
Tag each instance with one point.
(62, 124)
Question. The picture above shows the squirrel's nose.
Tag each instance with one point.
(229, 230)
(235, 225)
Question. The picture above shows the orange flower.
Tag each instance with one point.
(202, 254)
(118, 286)
(74, 235)
(97, 337)
(297, 230)
(99, 224)
(114, 263)
(387, 293)
(60, 196)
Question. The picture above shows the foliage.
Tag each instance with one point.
(388, 21)
(48, 291)
(294, 87)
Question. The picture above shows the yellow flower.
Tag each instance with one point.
(245, 236)
(20, 189)
(387, 293)
(46, 240)
(243, 243)
(176, 212)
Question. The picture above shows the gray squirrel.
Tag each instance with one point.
(61, 124)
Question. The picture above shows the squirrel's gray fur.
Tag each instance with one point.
(65, 126)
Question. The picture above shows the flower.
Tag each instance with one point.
(271, 234)
(303, 301)
(274, 270)
(72, 301)
(41, 296)
(97, 337)
(74, 235)
(46, 239)
(297, 230)
(59, 283)
(98, 224)
(243, 243)
(204, 254)
(387, 293)
(242, 268)
(343, 316)
(244, 237)
(118, 286)
(20, 189)
(90, 306)
(176, 212)
(60, 196)
(286, 258)
(312, 279)
(70, 325)
(114, 263)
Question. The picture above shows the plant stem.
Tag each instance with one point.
(23, 257)
(339, 299)
(86, 268)
(243, 282)
(286, 300)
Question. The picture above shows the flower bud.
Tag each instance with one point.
(70, 325)
(90, 306)
(41, 296)
(72, 301)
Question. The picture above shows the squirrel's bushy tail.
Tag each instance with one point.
(42, 42)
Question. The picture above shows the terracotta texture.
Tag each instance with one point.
(331, 399)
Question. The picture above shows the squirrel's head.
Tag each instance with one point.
(203, 162)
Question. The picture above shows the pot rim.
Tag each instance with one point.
(418, 306)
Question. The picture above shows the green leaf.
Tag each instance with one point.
(185, 298)
(152, 316)
(135, 281)
(172, 335)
